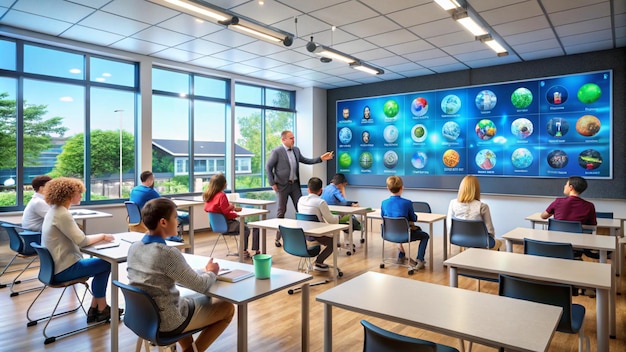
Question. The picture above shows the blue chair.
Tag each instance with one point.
(307, 217)
(294, 243)
(396, 230)
(183, 220)
(218, 224)
(548, 249)
(573, 317)
(142, 317)
(421, 207)
(604, 214)
(377, 339)
(565, 225)
(135, 222)
(471, 234)
(19, 242)
(46, 276)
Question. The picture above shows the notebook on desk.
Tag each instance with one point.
(234, 275)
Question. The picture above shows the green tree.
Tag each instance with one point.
(105, 154)
(162, 162)
(37, 132)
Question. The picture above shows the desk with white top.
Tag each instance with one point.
(310, 228)
(81, 215)
(243, 213)
(115, 256)
(430, 219)
(612, 224)
(188, 204)
(468, 315)
(487, 263)
(248, 290)
(350, 210)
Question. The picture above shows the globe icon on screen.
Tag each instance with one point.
(419, 107)
(345, 135)
(486, 100)
(521, 158)
(390, 134)
(450, 104)
(366, 160)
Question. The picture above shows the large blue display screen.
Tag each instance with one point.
(547, 127)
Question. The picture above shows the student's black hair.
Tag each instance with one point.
(315, 184)
(145, 175)
(578, 183)
(339, 179)
(155, 210)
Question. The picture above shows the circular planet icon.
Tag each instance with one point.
(557, 159)
(451, 130)
(521, 158)
(485, 129)
(419, 106)
(588, 125)
(345, 135)
(590, 159)
(419, 160)
(450, 104)
(391, 108)
(390, 134)
(451, 158)
(419, 133)
(345, 160)
(390, 159)
(485, 159)
(486, 100)
(366, 160)
(522, 97)
(589, 93)
(556, 95)
(522, 128)
(557, 127)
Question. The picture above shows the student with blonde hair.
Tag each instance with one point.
(468, 206)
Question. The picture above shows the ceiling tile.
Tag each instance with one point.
(234, 55)
(355, 46)
(587, 47)
(537, 45)
(440, 61)
(370, 27)
(388, 61)
(466, 57)
(229, 38)
(148, 12)
(202, 46)
(375, 54)
(177, 55)
(386, 7)
(541, 54)
(269, 75)
(529, 37)
(419, 72)
(307, 6)
(580, 14)
(449, 68)
(262, 48)
(209, 61)
(407, 66)
(269, 13)
(492, 61)
(522, 26)
(239, 68)
(54, 9)
(344, 13)
(305, 26)
(112, 23)
(94, 4)
(90, 35)
(411, 47)
(584, 27)
(329, 37)
(436, 28)
(560, 5)
(392, 38)
(189, 25)
(425, 13)
(484, 5)
(34, 23)
(227, 4)
(452, 39)
(590, 37)
(138, 46)
(290, 56)
(162, 36)
(263, 62)
(466, 47)
(425, 55)
(510, 13)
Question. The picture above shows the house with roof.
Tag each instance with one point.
(208, 157)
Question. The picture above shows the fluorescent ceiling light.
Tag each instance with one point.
(366, 68)
(448, 4)
(330, 53)
(256, 33)
(466, 21)
(493, 44)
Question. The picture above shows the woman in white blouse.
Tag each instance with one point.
(467, 206)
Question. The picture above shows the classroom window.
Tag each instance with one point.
(8, 142)
(53, 62)
(8, 58)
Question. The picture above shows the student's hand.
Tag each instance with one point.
(327, 156)
(214, 267)
(275, 188)
(355, 204)
(108, 237)
(236, 209)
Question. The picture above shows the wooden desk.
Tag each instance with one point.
(570, 272)
(469, 315)
(115, 256)
(245, 291)
(310, 228)
(350, 210)
(430, 219)
(246, 212)
(188, 204)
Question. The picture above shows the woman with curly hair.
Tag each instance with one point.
(63, 238)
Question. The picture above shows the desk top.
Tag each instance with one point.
(602, 222)
(578, 240)
(186, 202)
(80, 214)
(251, 212)
(564, 271)
(309, 227)
(421, 217)
(236, 199)
(346, 209)
(249, 289)
(480, 317)
(119, 254)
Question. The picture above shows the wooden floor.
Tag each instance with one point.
(274, 321)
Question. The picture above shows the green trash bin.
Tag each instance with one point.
(262, 266)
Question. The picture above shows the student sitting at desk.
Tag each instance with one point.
(572, 207)
(335, 194)
(37, 208)
(467, 206)
(396, 206)
(62, 237)
(314, 205)
(156, 267)
(216, 201)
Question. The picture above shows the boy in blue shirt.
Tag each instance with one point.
(335, 194)
(396, 206)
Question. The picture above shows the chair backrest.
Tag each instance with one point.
(307, 217)
(134, 213)
(395, 230)
(421, 207)
(15, 242)
(604, 214)
(142, 313)
(46, 264)
(218, 223)
(20, 239)
(294, 242)
(469, 233)
(380, 340)
(548, 249)
(541, 292)
(565, 225)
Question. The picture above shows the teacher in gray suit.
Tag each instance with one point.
(283, 174)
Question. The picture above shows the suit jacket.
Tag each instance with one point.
(278, 168)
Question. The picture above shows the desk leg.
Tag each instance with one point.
(328, 328)
(612, 294)
(335, 254)
(115, 304)
(431, 246)
(305, 317)
(263, 234)
(242, 226)
(454, 277)
(364, 228)
(509, 245)
(351, 242)
(445, 239)
(242, 327)
(191, 230)
(602, 308)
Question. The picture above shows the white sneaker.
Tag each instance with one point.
(420, 264)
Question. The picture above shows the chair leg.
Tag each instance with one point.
(17, 281)
(5, 271)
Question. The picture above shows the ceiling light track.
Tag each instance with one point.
(329, 53)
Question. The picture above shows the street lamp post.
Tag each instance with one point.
(121, 129)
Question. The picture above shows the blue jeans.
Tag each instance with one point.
(92, 267)
(418, 235)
